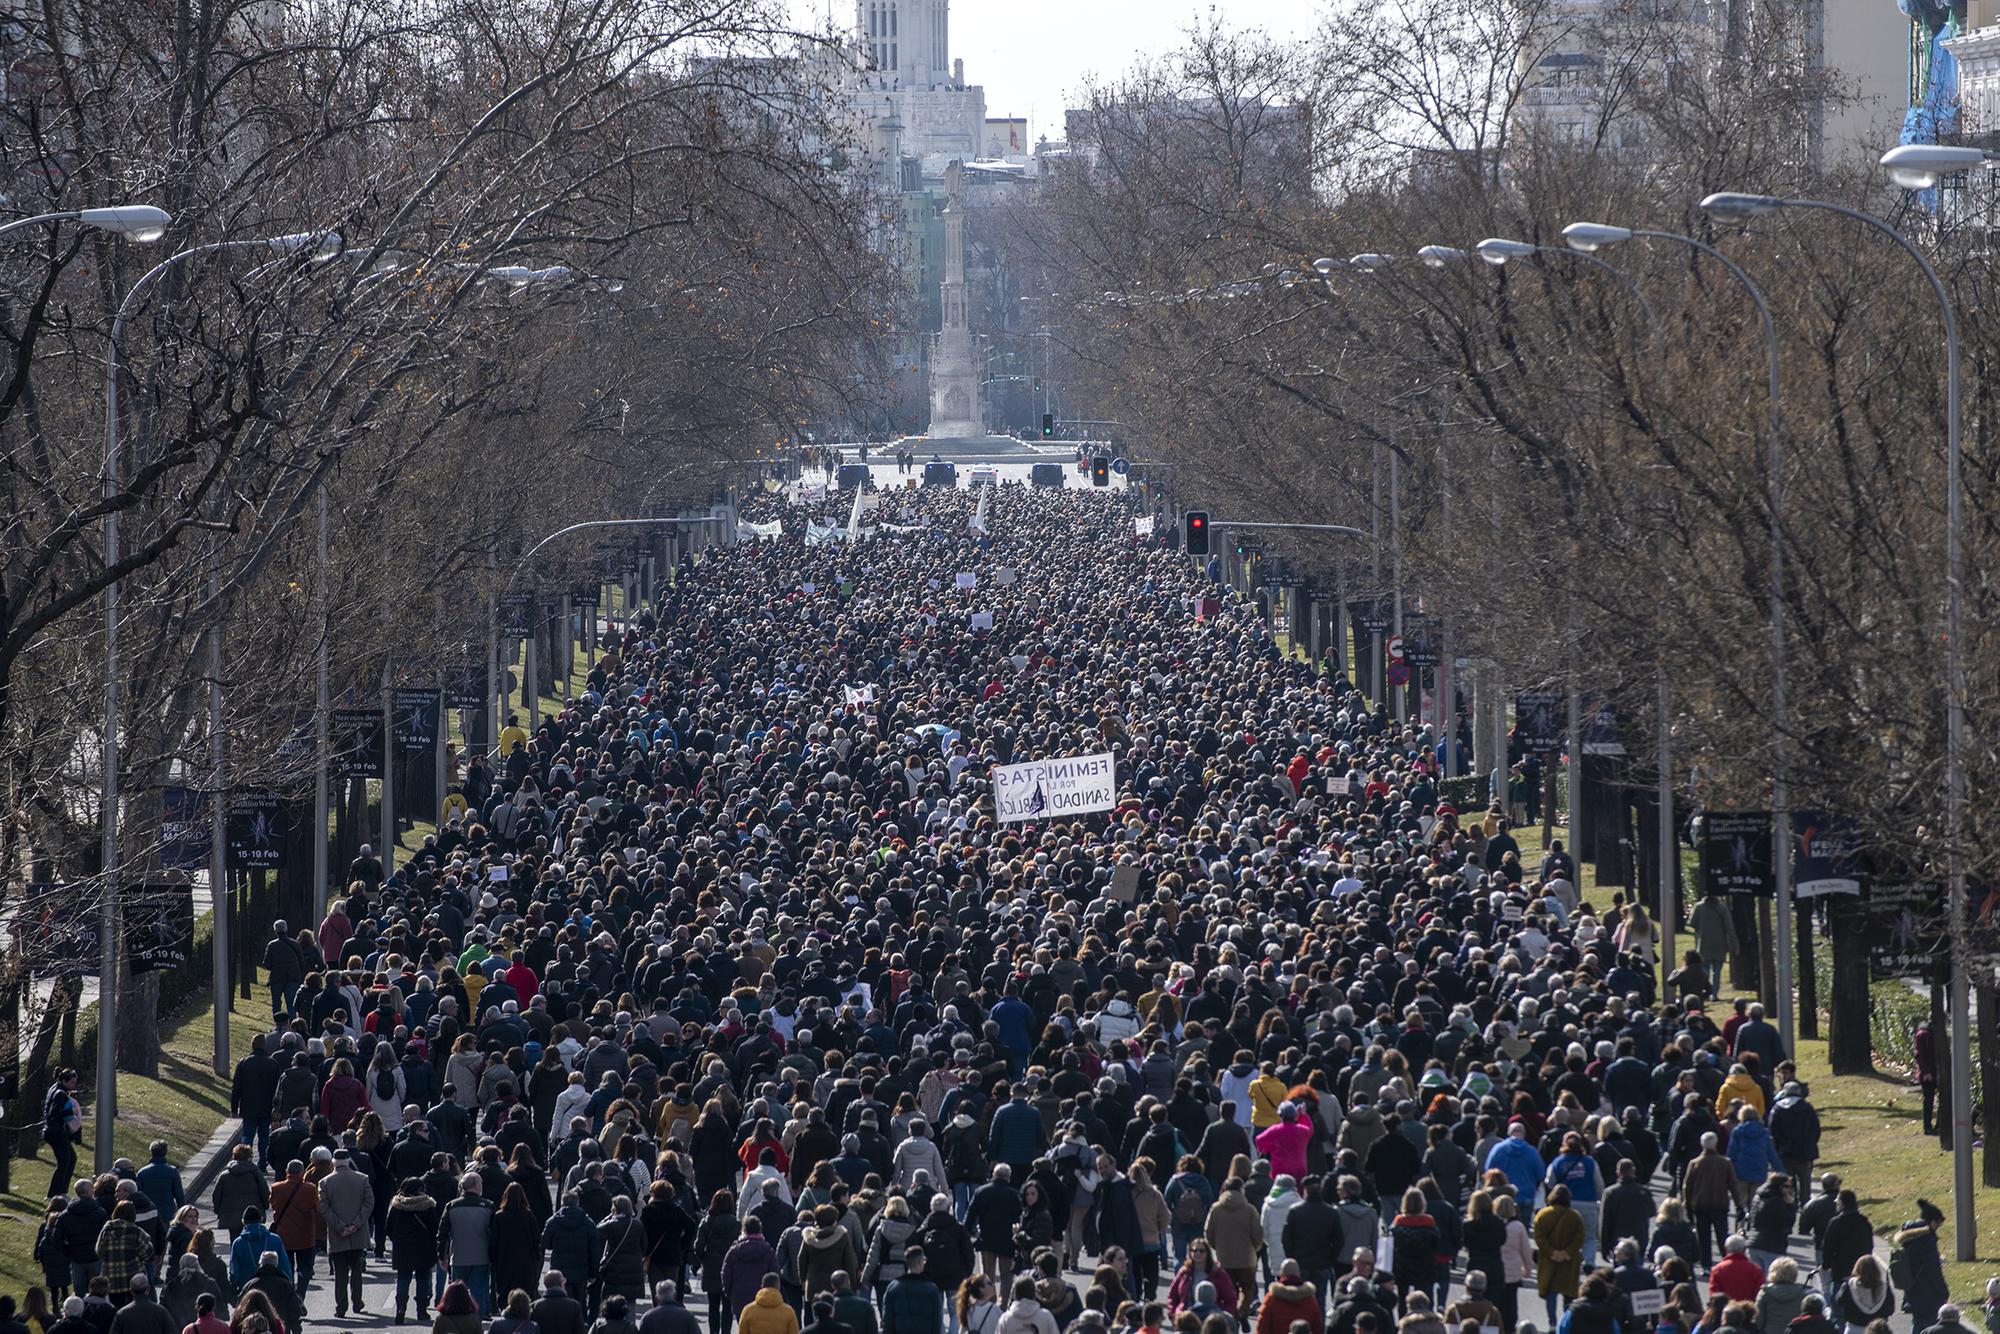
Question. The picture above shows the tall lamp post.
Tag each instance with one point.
(109, 927)
(1918, 167)
(1592, 236)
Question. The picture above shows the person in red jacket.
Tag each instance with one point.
(1736, 1276)
(1290, 1299)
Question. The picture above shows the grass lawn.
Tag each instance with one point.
(1872, 1136)
(183, 1106)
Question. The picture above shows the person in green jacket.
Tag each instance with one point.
(1714, 930)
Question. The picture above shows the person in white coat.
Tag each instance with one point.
(917, 1153)
(1116, 1022)
(572, 1101)
(1025, 1315)
(1278, 1206)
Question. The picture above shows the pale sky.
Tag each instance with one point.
(1033, 55)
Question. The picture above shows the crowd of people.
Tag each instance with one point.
(727, 979)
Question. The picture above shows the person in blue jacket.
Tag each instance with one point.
(1753, 1154)
(1017, 1137)
(1523, 1166)
(250, 1247)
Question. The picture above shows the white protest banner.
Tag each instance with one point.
(859, 695)
(982, 620)
(978, 524)
(966, 579)
(1142, 526)
(1042, 789)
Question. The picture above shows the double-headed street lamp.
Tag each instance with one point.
(1588, 237)
(1918, 167)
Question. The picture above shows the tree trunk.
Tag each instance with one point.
(1767, 971)
(1807, 972)
(1941, 1045)
(1985, 997)
(139, 1023)
(1849, 1045)
(1743, 963)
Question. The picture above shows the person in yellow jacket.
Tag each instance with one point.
(767, 1312)
(1267, 1091)
(1738, 1085)
(513, 736)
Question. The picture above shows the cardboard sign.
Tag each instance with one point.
(982, 620)
(1142, 526)
(1125, 883)
(1647, 1301)
(859, 695)
(1006, 578)
(966, 579)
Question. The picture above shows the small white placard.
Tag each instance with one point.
(966, 579)
(982, 620)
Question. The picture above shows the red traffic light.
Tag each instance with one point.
(1195, 536)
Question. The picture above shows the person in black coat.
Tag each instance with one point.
(557, 1312)
(515, 1244)
(713, 1147)
(993, 1214)
(668, 1232)
(413, 1230)
(569, 1243)
(622, 1238)
(252, 1090)
(526, 1172)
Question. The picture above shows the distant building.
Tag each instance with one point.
(1006, 139)
(908, 76)
(1271, 141)
(1587, 85)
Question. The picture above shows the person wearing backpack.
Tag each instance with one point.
(387, 1088)
(1916, 1269)
(62, 1128)
(1189, 1196)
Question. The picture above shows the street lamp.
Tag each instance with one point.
(1917, 167)
(1588, 237)
(134, 222)
(1437, 256)
(1371, 261)
(1499, 251)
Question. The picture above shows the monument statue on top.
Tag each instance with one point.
(955, 408)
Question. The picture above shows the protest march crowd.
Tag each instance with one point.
(729, 1005)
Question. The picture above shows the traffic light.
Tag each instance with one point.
(1242, 547)
(1048, 426)
(1194, 526)
(1100, 470)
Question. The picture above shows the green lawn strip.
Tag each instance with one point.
(182, 1106)
(1872, 1136)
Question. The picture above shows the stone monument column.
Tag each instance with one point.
(955, 411)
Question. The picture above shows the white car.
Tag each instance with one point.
(984, 475)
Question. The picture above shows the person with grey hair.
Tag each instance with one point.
(1708, 1188)
(465, 1241)
(668, 1315)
